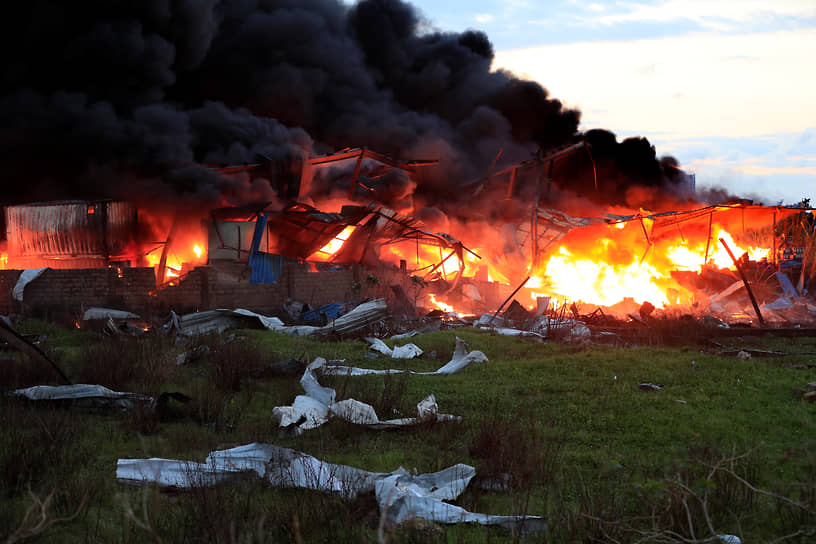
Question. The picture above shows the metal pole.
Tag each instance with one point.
(356, 173)
(744, 281)
(708, 240)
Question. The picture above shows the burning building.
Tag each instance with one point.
(222, 105)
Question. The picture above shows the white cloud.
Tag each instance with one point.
(636, 83)
(483, 18)
(737, 110)
(708, 13)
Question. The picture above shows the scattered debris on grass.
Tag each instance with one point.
(646, 386)
(461, 359)
(313, 409)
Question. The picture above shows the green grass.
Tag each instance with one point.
(584, 446)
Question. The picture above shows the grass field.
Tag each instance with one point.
(725, 447)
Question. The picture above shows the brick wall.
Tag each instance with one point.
(64, 294)
(8, 279)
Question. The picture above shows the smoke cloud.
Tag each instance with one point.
(135, 99)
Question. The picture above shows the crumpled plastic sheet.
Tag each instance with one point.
(408, 351)
(92, 396)
(461, 359)
(313, 409)
(26, 277)
(400, 495)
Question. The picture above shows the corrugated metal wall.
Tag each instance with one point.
(67, 229)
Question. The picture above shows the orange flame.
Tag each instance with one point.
(177, 257)
(334, 245)
(447, 308)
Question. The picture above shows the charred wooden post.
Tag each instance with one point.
(744, 281)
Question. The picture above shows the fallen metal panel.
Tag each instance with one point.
(89, 396)
(210, 321)
(197, 323)
(105, 313)
(400, 495)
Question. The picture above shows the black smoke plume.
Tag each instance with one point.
(133, 99)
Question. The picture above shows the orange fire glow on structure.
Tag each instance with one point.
(599, 282)
(333, 246)
(601, 264)
(178, 257)
(687, 257)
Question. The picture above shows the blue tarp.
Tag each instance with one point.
(266, 267)
(331, 311)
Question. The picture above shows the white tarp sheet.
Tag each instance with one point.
(26, 277)
(400, 496)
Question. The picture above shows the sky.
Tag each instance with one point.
(726, 87)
